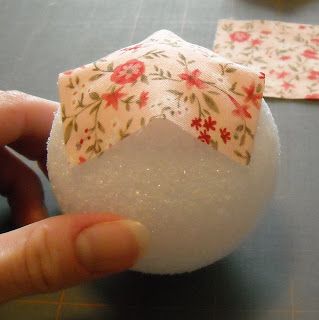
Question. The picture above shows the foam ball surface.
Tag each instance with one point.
(197, 203)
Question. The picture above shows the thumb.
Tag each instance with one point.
(62, 251)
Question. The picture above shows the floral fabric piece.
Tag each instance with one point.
(288, 53)
(213, 99)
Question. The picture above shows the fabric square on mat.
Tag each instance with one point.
(288, 53)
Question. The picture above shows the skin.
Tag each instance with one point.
(32, 258)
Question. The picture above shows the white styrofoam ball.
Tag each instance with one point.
(197, 203)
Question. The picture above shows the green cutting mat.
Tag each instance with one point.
(275, 274)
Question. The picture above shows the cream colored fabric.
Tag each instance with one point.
(213, 99)
(288, 53)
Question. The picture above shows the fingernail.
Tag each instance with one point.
(111, 246)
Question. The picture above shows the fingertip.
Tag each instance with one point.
(66, 250)
(110, 247)
(27, 213)
(25, 122)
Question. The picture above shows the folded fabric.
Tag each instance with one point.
(288, 53)
(211, 98)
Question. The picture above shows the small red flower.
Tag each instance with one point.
(224, 134)
(265, 32)
(287, 85)
(313, 75)
(239, 36)
(81, 159)
(192, 79)
(310, 54)
(281, 75)
(204, 137)
(314, 96)
(128, 72)
(137, 46)
(68, 72)
(241, 110)
(252, 96)
(302, 26)
(112, 99)
(256, 42)
(261, 75)
(197, 123)
(143, 99)
(283, 58)
(209, 124)
(315, 41)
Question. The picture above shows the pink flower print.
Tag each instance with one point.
(224, 134)
(242, 112)
(281, 75)
(68, 72)
(239, 36)
(128, 72)
(252, 96)
(203, 136)
(256, 42)
(192, 79)
(209, 124)
(310, 54)
(315, 41)
(284, 58)
(197, 123)
(313, 75)
(266, 32)
(302, 26)
(143, 99)
(261, 75)
(81, 159)
(137, 46)
(112, 99)
(314, 96)
(287, 85)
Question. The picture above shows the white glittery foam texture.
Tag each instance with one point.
(197, 203)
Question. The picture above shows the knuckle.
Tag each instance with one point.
(41, 269)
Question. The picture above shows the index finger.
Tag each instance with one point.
(25, 122)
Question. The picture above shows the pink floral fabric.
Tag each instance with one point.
(288, 53)
(213, 99)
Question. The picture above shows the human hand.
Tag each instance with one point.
(51, 253)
